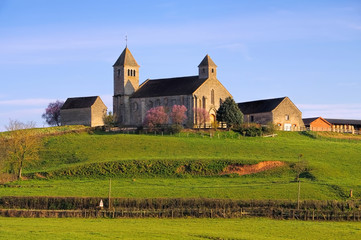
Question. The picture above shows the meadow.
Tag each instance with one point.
(244, 228)
(332, 163)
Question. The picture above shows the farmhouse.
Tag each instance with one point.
(280, 111)
(88, 111)
(131, 101)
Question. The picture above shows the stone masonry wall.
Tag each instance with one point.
(77, 116)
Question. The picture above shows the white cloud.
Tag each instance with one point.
(343, 111)
(238, 47)
(26, 102)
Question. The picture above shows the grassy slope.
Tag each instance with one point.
(335, 165)
(251, 228)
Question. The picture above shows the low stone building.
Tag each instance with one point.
(279, 111)
(88, 111)
(131, 101)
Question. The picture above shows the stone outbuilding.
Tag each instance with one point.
(131, 101)
(279, 111)
(88, 111)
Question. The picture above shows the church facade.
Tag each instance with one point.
(132, 100)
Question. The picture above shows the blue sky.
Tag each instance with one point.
(309, 51)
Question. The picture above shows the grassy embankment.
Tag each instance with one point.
(246, 228)
(334, 164)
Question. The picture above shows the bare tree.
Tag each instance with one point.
(20, 146)
(202, 117)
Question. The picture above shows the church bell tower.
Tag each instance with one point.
(126, 82)
(207, 68)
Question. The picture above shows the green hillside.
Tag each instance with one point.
(333, 166)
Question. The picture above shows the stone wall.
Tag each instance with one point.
(140, 106)
(202, 97)
(260, 118)
(285, 114)
(76, 116)
(97, 112)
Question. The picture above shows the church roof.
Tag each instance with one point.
(207, 61)
(169, 87)
(126, 58)
(260, 106)
(79, 102)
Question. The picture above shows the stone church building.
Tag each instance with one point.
(132, 100)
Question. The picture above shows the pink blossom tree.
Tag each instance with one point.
(155, 118)
(178, 114)
(52, 113)
(202, 116)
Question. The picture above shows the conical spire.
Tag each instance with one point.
(207, 62)
(126, 59)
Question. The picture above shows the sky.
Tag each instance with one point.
(309, 51)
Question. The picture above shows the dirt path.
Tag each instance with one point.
(249, 169)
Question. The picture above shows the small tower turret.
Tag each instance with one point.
(207, 68)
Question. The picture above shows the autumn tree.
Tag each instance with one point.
(229, 113)
(178, 114)
(20, 146)
(201, 116)
(155, 118)
(52, 113)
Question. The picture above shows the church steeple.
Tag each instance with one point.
(126, 82)
(126, 74)
(126, 58)
(207, 68)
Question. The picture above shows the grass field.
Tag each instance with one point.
(204, 187)
(247, 228)
(335, 164)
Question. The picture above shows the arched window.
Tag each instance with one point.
(134, 73)
(212, 96)
(212, 70)
(203, 70)
(129, 72)
(118, 72)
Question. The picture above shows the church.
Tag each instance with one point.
(132, 100)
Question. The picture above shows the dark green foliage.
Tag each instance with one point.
(137, 168)
(249, 129)
(229, 113)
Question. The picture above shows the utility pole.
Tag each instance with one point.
(109, 193)
(299, 182)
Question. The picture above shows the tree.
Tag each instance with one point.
(178, 114)
(109, 120)
(155, 118)
(52, 113)
(20, 146)
(202, 116)
(229, 113)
